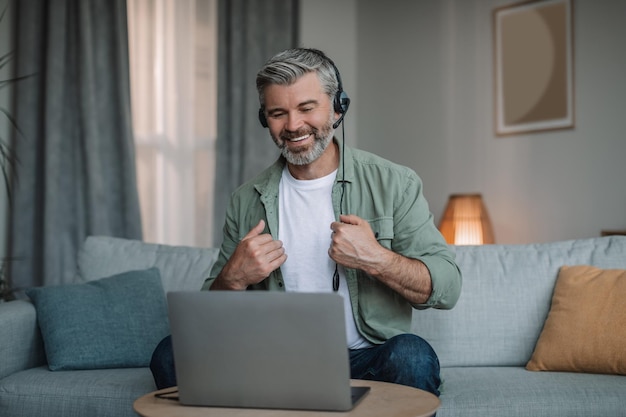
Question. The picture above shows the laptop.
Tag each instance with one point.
(261, 349)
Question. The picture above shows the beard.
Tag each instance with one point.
(304, 155)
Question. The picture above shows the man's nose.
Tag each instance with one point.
(294, 122)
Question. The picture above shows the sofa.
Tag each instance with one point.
(484, 344)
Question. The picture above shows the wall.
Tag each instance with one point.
(5, 101)
(424, 81)
(419, 76)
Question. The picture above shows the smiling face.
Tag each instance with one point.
(300, 118)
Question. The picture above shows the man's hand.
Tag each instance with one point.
(256, 256)
(353, 243)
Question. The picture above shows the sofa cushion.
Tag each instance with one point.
(108, 323)
(181, 267)
(101, 392)
(586, 328)
(506, 295)
(503, 391)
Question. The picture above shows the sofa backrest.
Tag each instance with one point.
(506, 297)
(181, 267)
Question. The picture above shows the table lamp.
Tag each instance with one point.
(465, 221)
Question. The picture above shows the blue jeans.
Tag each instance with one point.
(405, 359)
(162, 364)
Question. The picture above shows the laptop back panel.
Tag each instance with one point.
(260, 349)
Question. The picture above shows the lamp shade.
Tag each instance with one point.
(465, 221)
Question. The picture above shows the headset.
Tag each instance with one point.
(341, 101)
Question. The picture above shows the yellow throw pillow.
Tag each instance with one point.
(586, 328)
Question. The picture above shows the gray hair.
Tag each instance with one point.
(288, 66)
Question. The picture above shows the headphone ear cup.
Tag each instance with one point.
(342, 102)
(262, 118)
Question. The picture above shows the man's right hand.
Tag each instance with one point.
(256, 256)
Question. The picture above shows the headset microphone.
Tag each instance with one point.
(338, 122)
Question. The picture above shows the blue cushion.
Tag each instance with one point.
(113, 322)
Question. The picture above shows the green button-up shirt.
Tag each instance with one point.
(390, 198)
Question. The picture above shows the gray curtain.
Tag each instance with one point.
(250, 32)
(76, 172)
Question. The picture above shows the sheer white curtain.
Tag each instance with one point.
(173, 61)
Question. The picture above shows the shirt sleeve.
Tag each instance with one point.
(416, 236)
(229, 244)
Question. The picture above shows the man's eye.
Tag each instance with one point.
(276, 115)
(306, 109)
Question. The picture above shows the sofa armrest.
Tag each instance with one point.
(21, 346)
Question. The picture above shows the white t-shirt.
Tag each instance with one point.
(305, 214)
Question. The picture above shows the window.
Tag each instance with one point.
(173, 54)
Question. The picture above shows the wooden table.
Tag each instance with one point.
(384, 399)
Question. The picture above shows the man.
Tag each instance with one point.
(327, 217)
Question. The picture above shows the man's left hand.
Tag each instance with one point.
(353, 243)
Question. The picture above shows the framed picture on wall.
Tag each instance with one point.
(533, 67)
